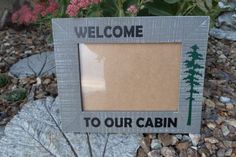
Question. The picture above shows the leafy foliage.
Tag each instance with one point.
(16, 95)
(185, 8)
(191, 78)
(4, 80)
(114, 8)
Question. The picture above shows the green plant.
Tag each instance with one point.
(4, 80)
(15, 95)
(185, 8)
(42, 11)
(191, 79)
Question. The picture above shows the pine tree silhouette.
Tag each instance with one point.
(191, 79)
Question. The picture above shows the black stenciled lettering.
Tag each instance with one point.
(128, 32)
(95, 122)
(107, 32)
(172, 122)
(158, 122)
(98, 35)
(91, 32)
(117, 31)
(119, 122)
(138, 122)
(82, 32)
(109, 122)
(139, 31)
(164, 123)
(128, 122)
(149, 123)
(87, 121)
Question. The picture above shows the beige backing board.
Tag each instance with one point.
(130, 77)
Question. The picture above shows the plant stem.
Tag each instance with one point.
(120, 8)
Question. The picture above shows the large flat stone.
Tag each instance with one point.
(34, 132)
(39, 65)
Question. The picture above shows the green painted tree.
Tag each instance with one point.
(191, 78)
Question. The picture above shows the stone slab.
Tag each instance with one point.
(39, 65)
(35, 131)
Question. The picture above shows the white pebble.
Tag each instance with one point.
(224, 99)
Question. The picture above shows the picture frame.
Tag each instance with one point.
(191, 32)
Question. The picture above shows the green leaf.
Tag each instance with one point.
(171, 1)
(158, 12)
(208, 4)
(16, 95)
(4, 80)
(201, 5)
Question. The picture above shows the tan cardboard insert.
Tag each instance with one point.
(130, 77)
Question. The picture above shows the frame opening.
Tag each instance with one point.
(130, 77)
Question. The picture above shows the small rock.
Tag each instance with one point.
(222, 56)
(140, 152)
(168, 152)
(167, 139)
(52, 89)
(186, 138)
(145, 145)
(182, 146)
(224, 99)
(204, 152)
(154, 153)
(211, 125)
(231, 122)
(229, 106)
(194, 147)
(233, 155)
(152, 136)
(211, 140)
(10, 60)
(28, 52)
(47, 81)
(39, 81)
(183, 153)
(221, 153)
(228, 144)
(209, 103)
(220, 119)
(229, 152)
(195, 138)
(220, 105)
(211, 114)
(192, 153)
(156, 144)
(6, 44)
(225, 130)
(179, 136)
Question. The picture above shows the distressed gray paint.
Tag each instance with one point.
(187, 30)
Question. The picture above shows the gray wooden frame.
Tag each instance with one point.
(186, 30)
